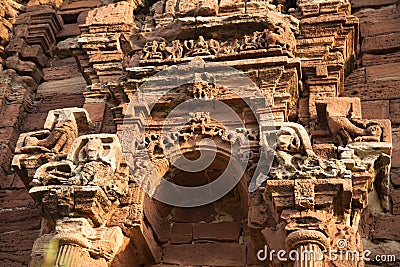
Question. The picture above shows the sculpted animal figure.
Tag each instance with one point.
(281, 35)
(292, 160)
(347, 131)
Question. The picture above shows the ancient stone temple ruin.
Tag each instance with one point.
(108, 108)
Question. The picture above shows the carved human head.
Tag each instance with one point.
(374, 130)
(288, 140)
(93, 149)
(62, 121)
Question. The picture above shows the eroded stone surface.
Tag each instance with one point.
(297, 53)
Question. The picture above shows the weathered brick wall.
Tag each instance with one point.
(59, 84)
(377, 81)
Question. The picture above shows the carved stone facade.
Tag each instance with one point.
(95, 128)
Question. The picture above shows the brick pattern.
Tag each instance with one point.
(376, 82)
(41, 75)
(35, 80)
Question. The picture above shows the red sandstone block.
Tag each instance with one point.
(395, 111)
(387, 227)
(34, 121)
(16, 45)
(356, 77)
(14, 112)
(69, 30)
(378, 109)
(15, 198)
(181, 233)
(379, 26)
(64, 62)
(381, 43)
(5, 157)
(20, 31)
(370, 3)
(213, 254)
(159, 225)
(9, 135)
(17, 182)
(15, 258)
(96, 111)
(396, 148)
(39, 9)
(252, 259)
(203, 213)
(54, 102)
(6, 181)
(82, 17)
(34, 53)
(372, 59)
(383, 72)
(61, 73)
(11, 181)
(374, 90)
(72, 86)
(395, 195)
(13, 220)
(80, 4)
(24, 68)
(20, 240)
(395, 177)
(224, 231)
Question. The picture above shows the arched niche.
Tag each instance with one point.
(222, 223)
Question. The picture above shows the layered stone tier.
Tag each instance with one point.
(89, 88)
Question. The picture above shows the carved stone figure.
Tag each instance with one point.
(53, 173)
(151, 51)
(87, 164)
(176, 50)
(293, 159)
(61, 128)
(263, 39)
(60, 138)
(162, 47)
(352, 130)
(249, 42)
(228, 48)
(288, 156)
(200, 48)
(202, 90)
(214, 46)
(281, 35)
(93, 170)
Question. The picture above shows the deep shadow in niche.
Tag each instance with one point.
(223, 221)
